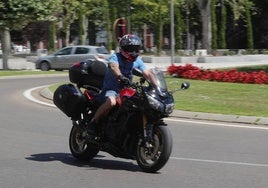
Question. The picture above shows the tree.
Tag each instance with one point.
(69, 14)
(156, 13)
(204, 6)
(190, 23)
(52, 38)
(108, 26)
(210, 30)
(214, 28)
(15, 14)
(95, 17)
(239, 8)
(250, 40)
(242, 10)
(179, 26)
(222, 35)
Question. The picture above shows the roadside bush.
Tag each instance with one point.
(192, 72)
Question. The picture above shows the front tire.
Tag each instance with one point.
(80, 149)
(159, 152)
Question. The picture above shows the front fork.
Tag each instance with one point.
(148, 128)
(147, 131)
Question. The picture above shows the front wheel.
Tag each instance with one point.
(152, 158)
(80, 149)
(44, 66)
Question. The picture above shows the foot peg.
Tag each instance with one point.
(92, 139)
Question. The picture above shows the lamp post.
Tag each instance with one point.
(172, 37)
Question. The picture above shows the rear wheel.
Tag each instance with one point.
(154, 157)
(81, 149)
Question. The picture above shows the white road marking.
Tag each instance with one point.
(218, 124)
(219, 162)
(28, 95)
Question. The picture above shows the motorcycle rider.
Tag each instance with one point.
(119, 73)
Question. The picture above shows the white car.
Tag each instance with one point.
(21, 49)
(67, 56)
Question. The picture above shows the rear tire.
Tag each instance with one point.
(80, 149)
(160, 152)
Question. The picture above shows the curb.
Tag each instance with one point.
(221, 117)
(46, 93)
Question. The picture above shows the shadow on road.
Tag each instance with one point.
(97, 163)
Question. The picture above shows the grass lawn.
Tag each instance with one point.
(219, 97)
(27, 72)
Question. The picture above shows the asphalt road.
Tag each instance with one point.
(35, 152)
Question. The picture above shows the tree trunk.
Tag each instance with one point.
(52, 37)
(108, 25)
(214, 27)
(67, 36)
(159, 32)
(204, 6)
(178, 29)
(5, 38)
(223, 26)
(250, 38)
(83, 25)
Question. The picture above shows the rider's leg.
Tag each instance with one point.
(104, 109)
(109, 103)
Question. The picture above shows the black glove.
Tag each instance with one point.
(124, 80)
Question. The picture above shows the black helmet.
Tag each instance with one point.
(130, 46)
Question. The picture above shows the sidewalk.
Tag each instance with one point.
(207, 62)
(163, 62)
(18, 63)
(221, 117)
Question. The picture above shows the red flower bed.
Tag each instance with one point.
(191, 72)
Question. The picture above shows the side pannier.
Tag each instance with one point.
(70, 100)
(88, 73)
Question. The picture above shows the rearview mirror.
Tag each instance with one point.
(185, 85)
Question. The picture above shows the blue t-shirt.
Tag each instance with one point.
(110, 81)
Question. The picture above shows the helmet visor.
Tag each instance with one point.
(132, 48)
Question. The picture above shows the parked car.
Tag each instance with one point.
(66, 57)
(20, 49)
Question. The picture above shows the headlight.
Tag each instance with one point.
(169, 108)
(155, 104)
(165, 105)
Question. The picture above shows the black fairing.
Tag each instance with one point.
(121, 130)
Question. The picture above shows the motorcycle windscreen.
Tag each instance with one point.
(158, 79)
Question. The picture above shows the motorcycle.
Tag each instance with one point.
(134, 129)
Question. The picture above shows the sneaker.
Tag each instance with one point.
(91, 128)
(91, 135)
(92, 139)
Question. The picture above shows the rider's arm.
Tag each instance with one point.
(115, 69)
(147, 74)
